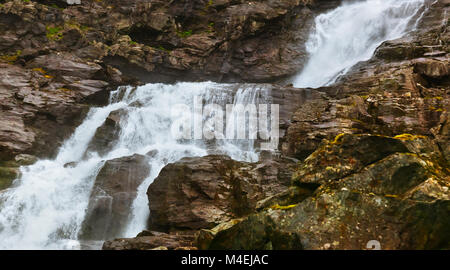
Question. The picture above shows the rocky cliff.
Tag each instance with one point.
(366, 158)
(57, 59)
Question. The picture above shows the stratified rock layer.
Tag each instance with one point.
(197, 193)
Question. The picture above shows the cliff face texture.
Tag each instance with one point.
(57, 59)
(366, 158)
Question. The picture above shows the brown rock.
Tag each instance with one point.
(200, 193)
(153, 241)
(65, 64)
(114, 191)
(400, 201)
(432, 68)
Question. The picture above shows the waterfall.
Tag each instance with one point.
(46, 206)
(351, 33)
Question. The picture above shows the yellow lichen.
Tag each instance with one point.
(282, 207)
(41, 70)
(409, 137)
(11, 58)
(338, 138)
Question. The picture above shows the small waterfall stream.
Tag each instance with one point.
(351, 33)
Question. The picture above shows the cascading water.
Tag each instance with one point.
(351, 33)
(46, 207)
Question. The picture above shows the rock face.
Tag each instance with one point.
(197, 193)
(114, 191)
(200, 193)
(55, 58)
(397, 194)
(373, 157)
(395, 92)
(390, 187)
(155, 40)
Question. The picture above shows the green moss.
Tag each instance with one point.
(161, 48)
(76, 25)
(54, 33)
(185, 34)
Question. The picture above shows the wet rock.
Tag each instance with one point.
(114, 191)
(10, 170)
(25, 160)
(7, 176)
(107, 134)
(197, 193)
(400, 49)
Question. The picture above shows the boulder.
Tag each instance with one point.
(10, 170)
(114, 191)
(106, 135)
(197, 193)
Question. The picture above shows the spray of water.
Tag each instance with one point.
(351, 33)
(47, 205)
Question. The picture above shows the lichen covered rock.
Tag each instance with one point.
(400, 198)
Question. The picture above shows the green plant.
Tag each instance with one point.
(185, 34)
(54, 33)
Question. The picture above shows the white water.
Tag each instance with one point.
(47, 206)
(351, 33)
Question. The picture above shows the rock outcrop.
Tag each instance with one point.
(112, 196)
(151, 240)
(395, 92)
(57, 58)
(391, 187)
(197, 193)
(200, 193)
(396, 193)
